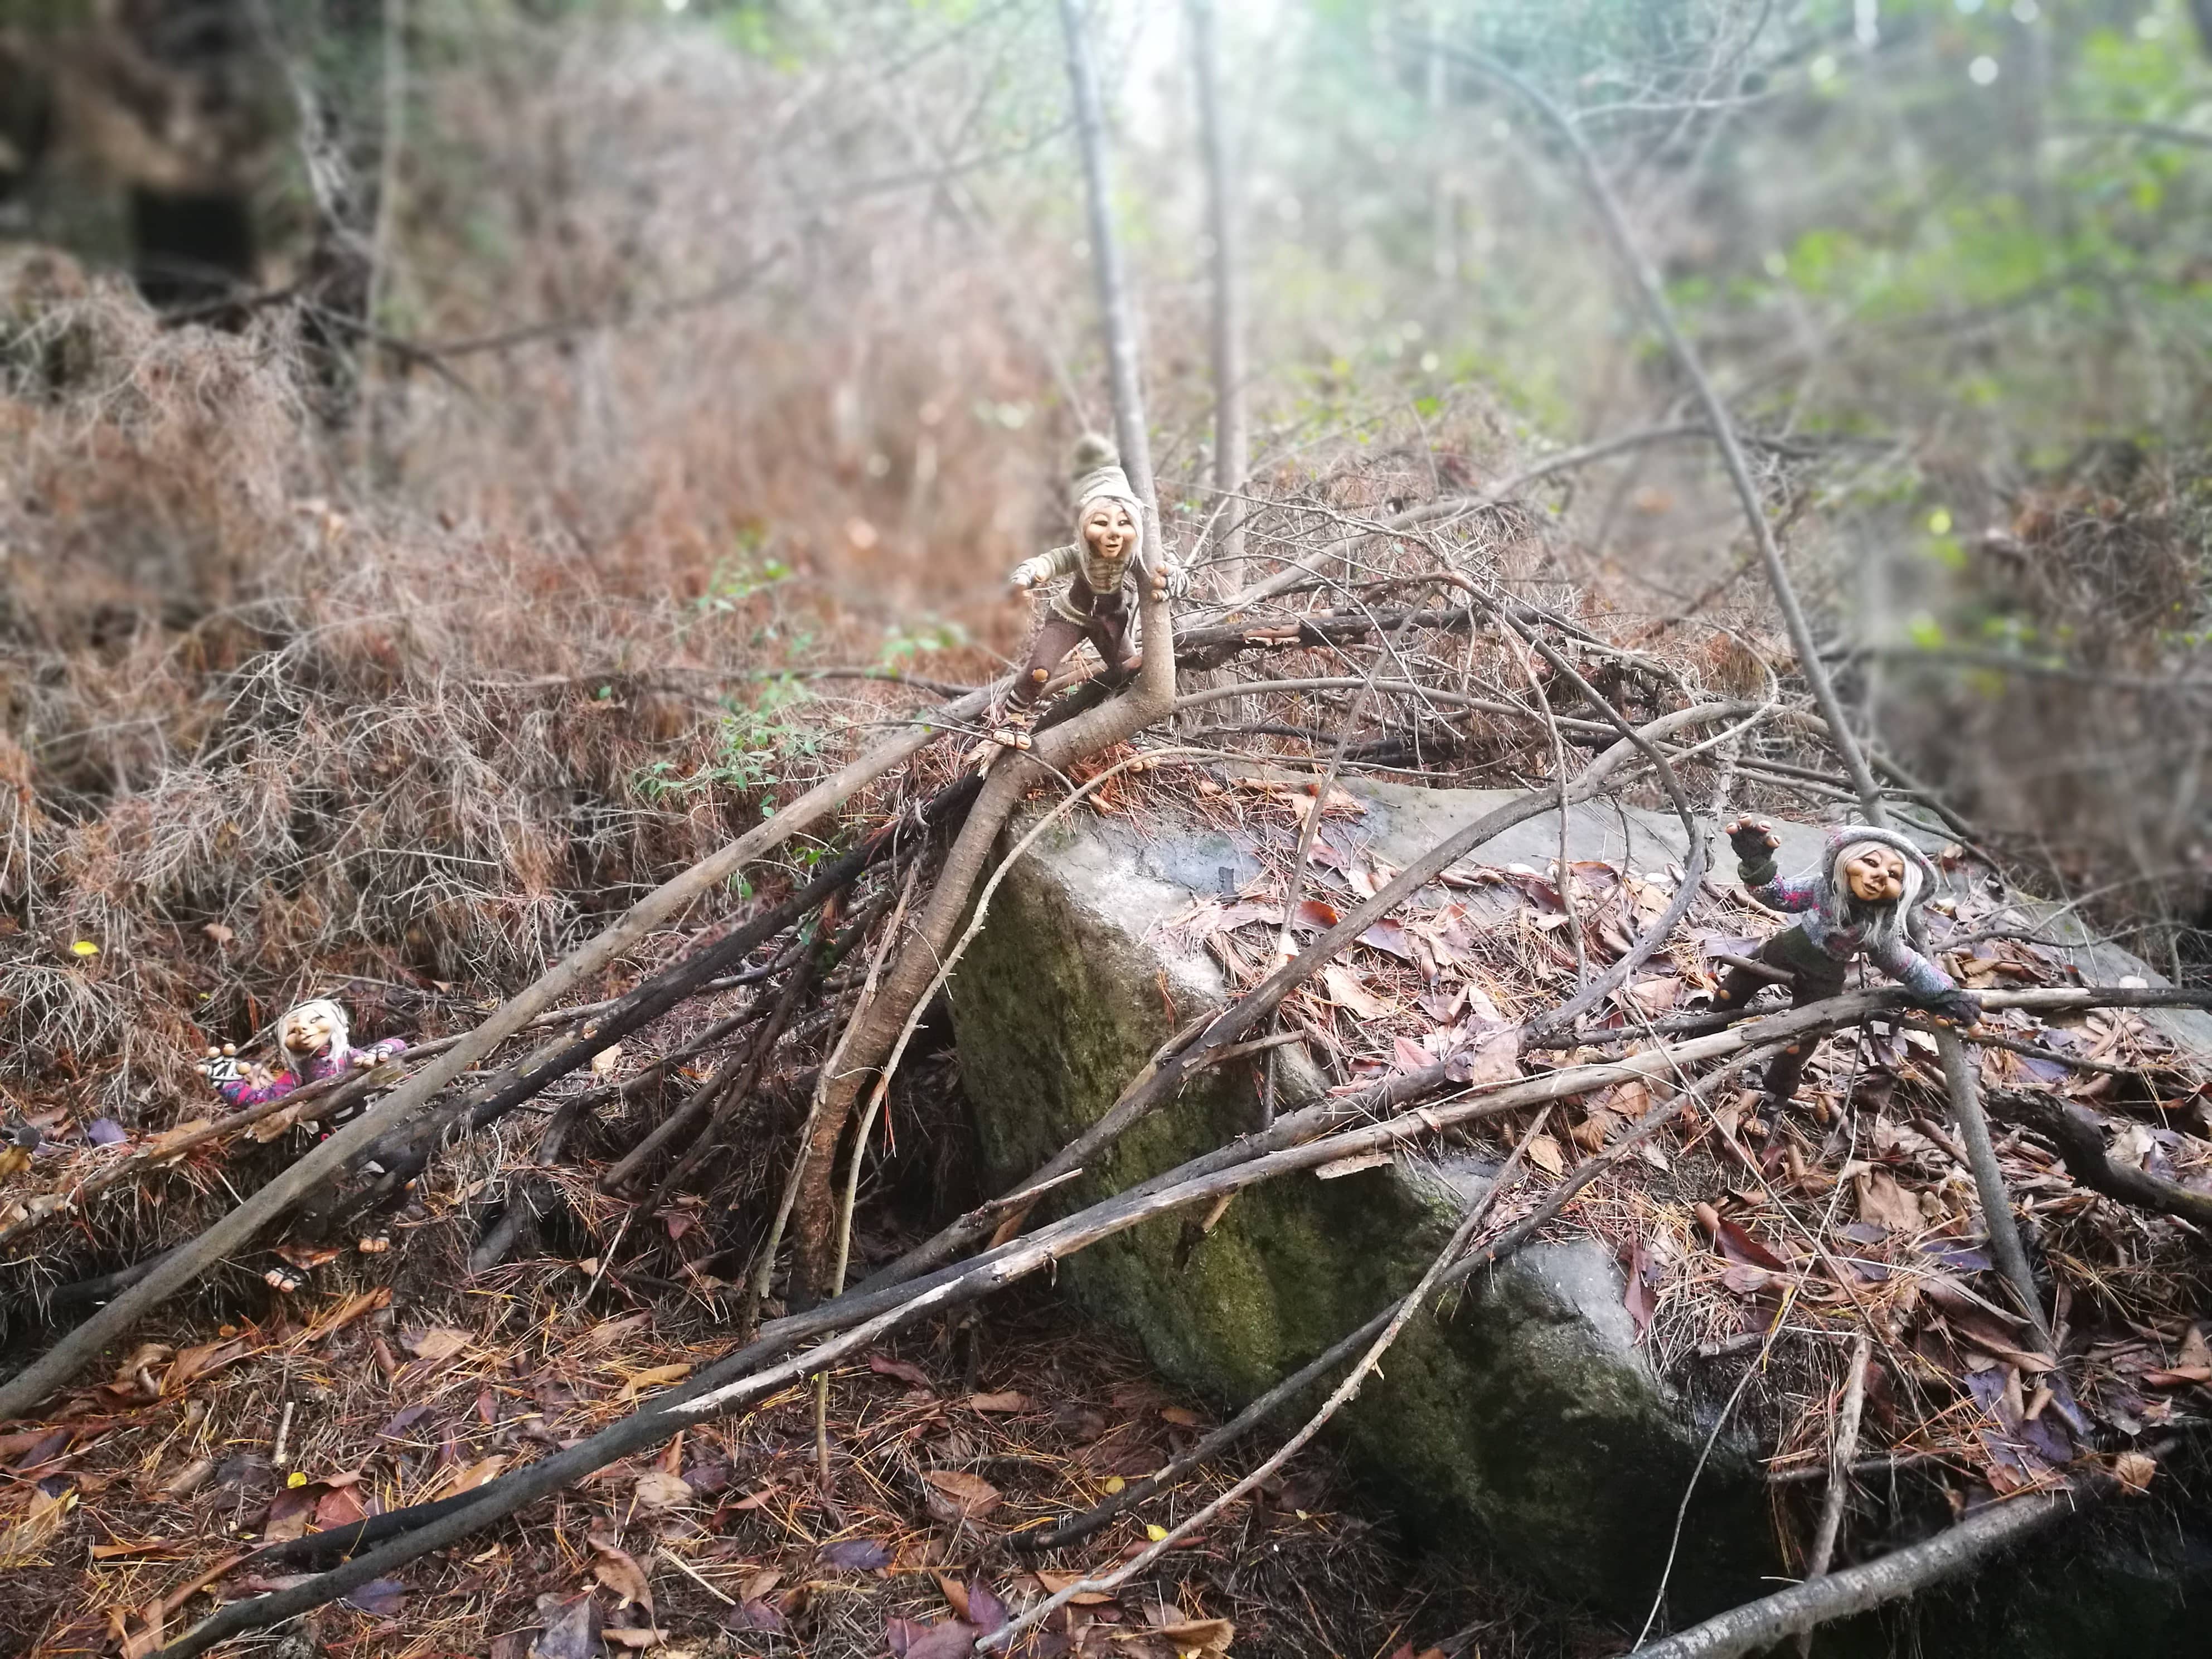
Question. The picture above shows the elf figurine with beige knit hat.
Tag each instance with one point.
(1109, 549)
(1858, 902)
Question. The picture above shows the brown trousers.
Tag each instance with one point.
(1108, 629)
(1816, 977)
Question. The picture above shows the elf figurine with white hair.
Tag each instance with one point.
(1108, 549)
(313, 1039)
(1857, 902)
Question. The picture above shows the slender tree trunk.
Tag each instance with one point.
(1232, 441)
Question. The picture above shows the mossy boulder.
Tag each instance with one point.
(1526, 1417)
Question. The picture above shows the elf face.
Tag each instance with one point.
(308, 1031)
(1109, 529)
(1875, 873)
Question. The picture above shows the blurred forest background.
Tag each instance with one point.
(439, 438)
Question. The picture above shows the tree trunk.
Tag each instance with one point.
(1232, 441)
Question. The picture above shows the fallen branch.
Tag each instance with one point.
(1804, 1607)
(1960, 1078)
(2080, 1138)
(1839, 1468)
(1150, 699)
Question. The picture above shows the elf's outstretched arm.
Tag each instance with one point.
(1045, 566)
(1755, 845)
(1930, 987)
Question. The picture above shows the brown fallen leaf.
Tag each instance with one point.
(964, 1497)
(23, 1544)
(1544, 1152)
(340, 1506)
(1344, 990)
(2134, 1470)
(1010, 1400)
(1055, 1583)
(1182, 1416)
(955, 1593)
(625, 1637)
(658, 1490)
(290, 1512)
(612, 1331)
(658, 1376)
(1199, 1635)
(1883, 1203)
(572, 1633)
(484, 1469)
(905, 1369)
(439, 1342)
(616, 1569)
(342, 1313)
(146, 1638)
(193, 1363)
(1496, 1058)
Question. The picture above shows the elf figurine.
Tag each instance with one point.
(312, 1039)
(1857, 902)
(1108, 549)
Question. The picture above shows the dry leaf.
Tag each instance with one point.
(1008, 1402)
(2134, 1470)
(965, 1496)
(654, 1378)
(147, 1637)
(657, 1489)
(193, 1363)
(1497, 1058)
(573, 1633)
(22, 1544)
(1344, 989)
(1199, 1635)
(476, 1474)
(616, 1568)
(1885, 1204)
(1182, 1416)
(1055, 1583)
(1544, 1152)
(633, 1638)
(905, 1369)
(439, 1342)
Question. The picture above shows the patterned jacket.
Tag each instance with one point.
(244, 1090)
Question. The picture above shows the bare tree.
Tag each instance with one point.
(1232, 441)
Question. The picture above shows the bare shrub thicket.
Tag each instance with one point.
(414, 703)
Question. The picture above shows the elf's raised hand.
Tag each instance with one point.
(221, 1065)
(1753, 839)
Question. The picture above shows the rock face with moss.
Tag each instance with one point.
(1526, 1420)
(1526, 1417)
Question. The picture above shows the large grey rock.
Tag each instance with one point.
(1528, 1417)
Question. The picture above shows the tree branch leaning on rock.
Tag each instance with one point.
(1150, 699)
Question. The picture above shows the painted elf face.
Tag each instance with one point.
(1109, 529)
(1875, 873)
(308, 1030)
